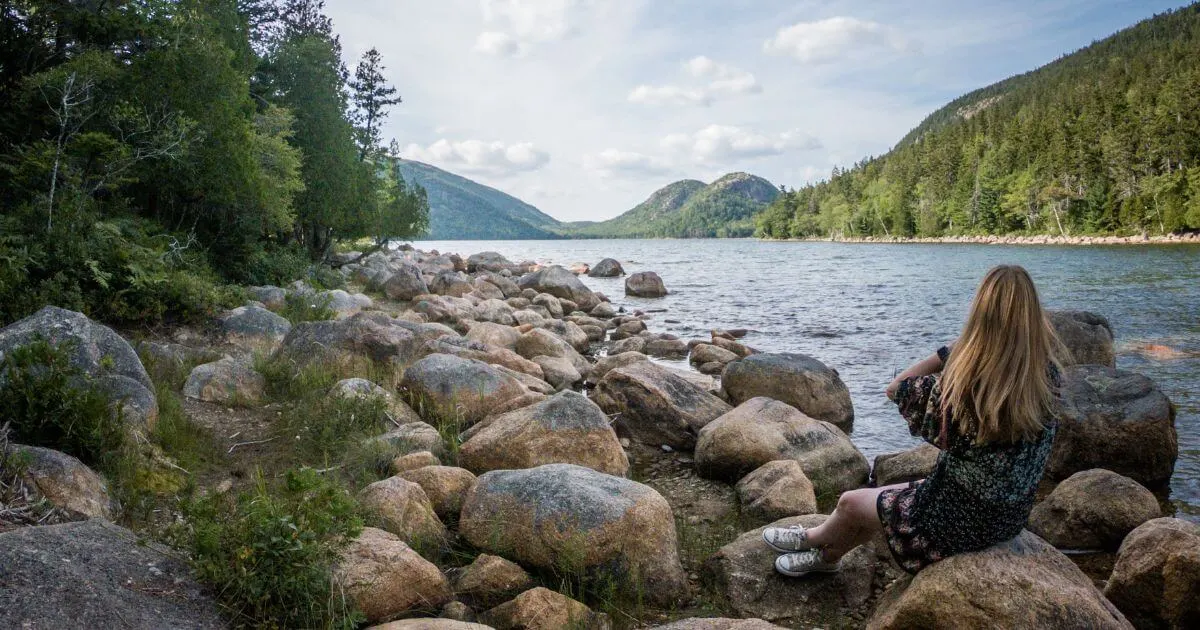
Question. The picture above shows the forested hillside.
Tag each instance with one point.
(152, 151)
(1105, 140)
(690, 209)
(461, 209)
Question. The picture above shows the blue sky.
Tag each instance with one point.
(585, 107)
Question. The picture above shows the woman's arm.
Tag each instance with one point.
(931, 364)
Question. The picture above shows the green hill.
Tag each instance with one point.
(461, 209)
(691, 209)
(1104, 140)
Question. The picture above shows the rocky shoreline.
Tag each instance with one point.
(542, 466)
(1046, 239)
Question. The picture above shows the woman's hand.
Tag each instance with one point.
(893, 388)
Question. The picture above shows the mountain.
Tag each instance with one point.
(691, 209)
(460, 209)
(1104, 140)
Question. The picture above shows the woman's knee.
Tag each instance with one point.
(857, 502)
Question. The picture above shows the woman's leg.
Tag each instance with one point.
(855, 521)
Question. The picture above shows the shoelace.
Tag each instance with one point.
(791, 536)
(804, 559)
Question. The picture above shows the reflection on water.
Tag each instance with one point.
(868, 310)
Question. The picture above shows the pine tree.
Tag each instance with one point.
(371, 96)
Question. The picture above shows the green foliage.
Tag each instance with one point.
(300, 307)
(47, 403)
(1105, 140)
(270, 552)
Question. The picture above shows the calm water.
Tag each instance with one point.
(868, 310)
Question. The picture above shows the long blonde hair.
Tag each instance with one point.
(996, 382)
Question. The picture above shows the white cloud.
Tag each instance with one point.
(477, 156)
(519, 24)
(497, 44)
(721, 143)
(611, 162)
(830, 39)
(669, 95)
(721, 80)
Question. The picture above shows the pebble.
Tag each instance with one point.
(667, 449)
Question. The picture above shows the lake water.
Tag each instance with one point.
(870, 309)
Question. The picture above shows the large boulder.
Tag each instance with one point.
(405, 283)
(558, 372)
(572, 518)
(253, 327)
(495, 311)
(540, 342)
(743, 572)
(490, 581)
(342, 304)
(1093, 509)
(430, 624)
(492, 355)
(607, 268)
(1157, 575)
(270, 296)
(1023, 583)
(97, 575)
(655, 406)
(1116, 420)
(796, 379)
(364, 338)
(494, 335)
(97, 352)
(396, 410)
(763, 430)
(646, 284)
(543, 609)
(413, 437)
(566, 428)
(451, 283)
(560, 283)
(402, 508)
(606, 364)
(1087, 336)
(385, 578)
(488, 261)
(64, 481)
(710, 359)
(914, 464)
(463, 391)
(445, 486)
(228, 381)
(776, 490)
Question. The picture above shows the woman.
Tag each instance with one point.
(990, 411)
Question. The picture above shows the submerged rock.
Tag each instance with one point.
(1093, 509)
(1023, 583)
(1087, 336)
(646, 284)
(564, 515)
(796, 379)
(607, 268)
(1116, 420)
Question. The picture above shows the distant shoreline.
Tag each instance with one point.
(1169, 239)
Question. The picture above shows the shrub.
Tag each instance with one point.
(300, 307)
(269, 553)
(48, 404)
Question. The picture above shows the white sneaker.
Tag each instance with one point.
(803, 563)
(787, 539)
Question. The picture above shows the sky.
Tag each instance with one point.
(583, 108)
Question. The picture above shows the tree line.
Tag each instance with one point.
(1102, 141)
(154, 150)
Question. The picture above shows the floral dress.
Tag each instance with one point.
(976, 496)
